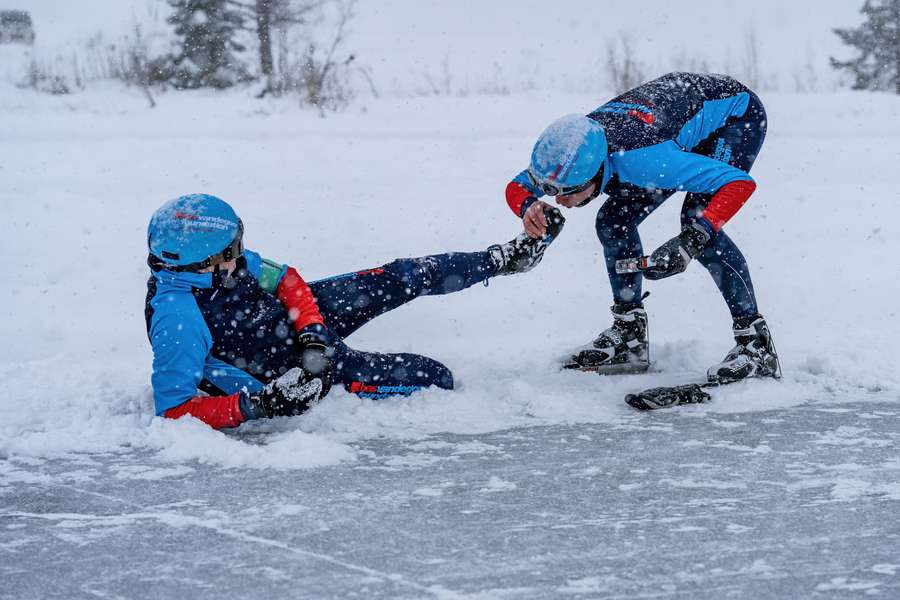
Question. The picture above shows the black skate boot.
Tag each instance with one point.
(623, 348)
(523, 253)
(753, 355)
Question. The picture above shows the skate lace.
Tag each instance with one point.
(755, 348)
(609, 337)
(616, 335)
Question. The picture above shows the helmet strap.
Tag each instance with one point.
(598, 181)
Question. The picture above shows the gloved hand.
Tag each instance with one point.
(673, 257)
(316, 349)
(555, 221)
(542, 220)
(290, 394)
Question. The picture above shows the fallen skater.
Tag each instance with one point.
(238, 337)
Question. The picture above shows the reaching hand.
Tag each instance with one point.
(541, 220)
(673, 257)
(535, 220)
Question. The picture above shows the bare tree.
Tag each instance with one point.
(444, 86)
(806, 79)
(140, 68)
(682, 61)
(273, 14)
(623, 70)
(321, 82)
(750, 66)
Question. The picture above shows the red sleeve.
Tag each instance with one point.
(298, 299)
(216, 411)
(516, 195)
(727, 201)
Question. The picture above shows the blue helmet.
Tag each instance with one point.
(193, 231)
(568, 155)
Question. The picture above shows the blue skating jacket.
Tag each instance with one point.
(652, 129)
(200, 340)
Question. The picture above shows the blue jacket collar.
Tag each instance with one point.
(183, 280)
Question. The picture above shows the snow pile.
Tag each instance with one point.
(408, 178)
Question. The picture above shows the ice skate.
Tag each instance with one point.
(753, 355)
(623, 348)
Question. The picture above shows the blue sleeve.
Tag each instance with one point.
(666, 166)
(712, 115)
(181, 342)
(229, 378)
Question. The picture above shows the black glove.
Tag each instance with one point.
(673, 257)
(555, 221)
(315, 347)
(290, 394)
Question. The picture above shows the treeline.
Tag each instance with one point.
(298, 47)
(285, 46)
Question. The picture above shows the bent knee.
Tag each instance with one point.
(424, 371)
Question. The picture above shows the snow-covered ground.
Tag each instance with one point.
(399, 177)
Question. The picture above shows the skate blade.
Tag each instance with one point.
(724, 379)
(619, 369)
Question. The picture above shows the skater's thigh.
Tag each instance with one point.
(349, 301)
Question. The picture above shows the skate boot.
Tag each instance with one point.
(753, 355)
(524, 253)
(623, 348)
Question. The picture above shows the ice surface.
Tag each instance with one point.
(525, 481)
(665, 505)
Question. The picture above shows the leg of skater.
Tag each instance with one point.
(738, 144)
(623, 347)
(349, 301)
(376, 375)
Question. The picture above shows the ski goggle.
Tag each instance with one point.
(552, 189)
(234, 250)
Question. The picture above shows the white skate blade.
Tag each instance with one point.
(623, 368)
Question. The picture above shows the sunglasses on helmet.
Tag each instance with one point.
(552, 189)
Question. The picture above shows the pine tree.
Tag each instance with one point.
(208, 46)
(878, 41)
